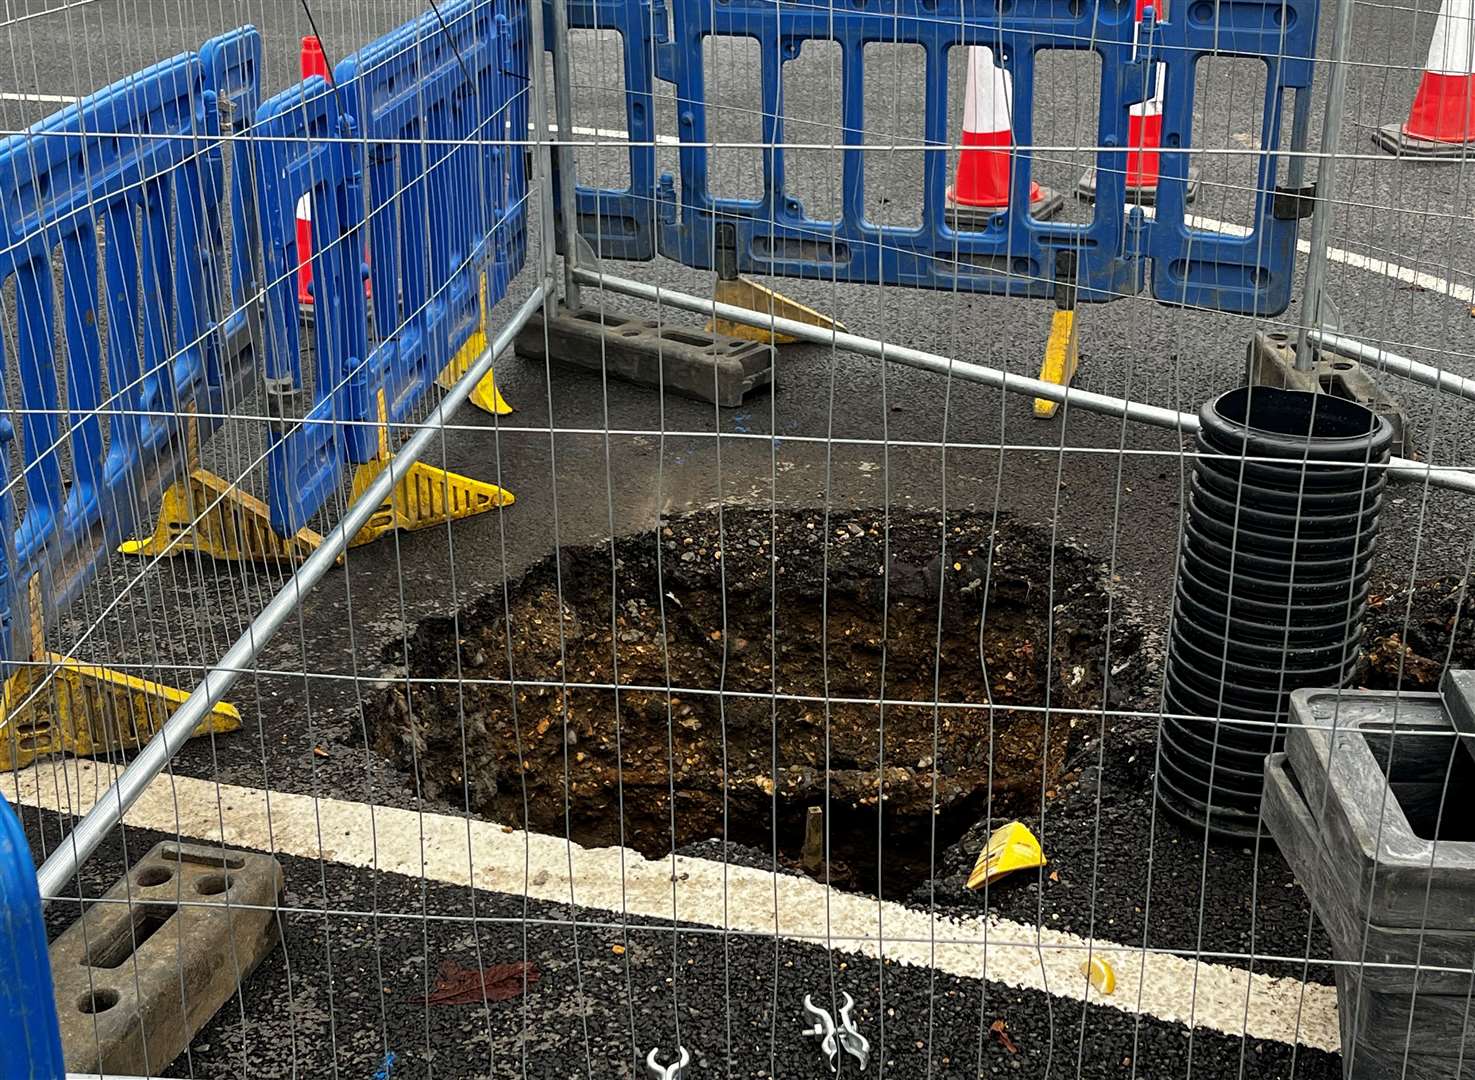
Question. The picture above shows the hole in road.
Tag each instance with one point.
(758, 632)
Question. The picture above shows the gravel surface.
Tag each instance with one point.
(361, 946)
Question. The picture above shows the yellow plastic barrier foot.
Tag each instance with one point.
(205, 513)
(743, 293)
(1011, 847)
(85, 709)
(485, 396)
(1061, 358)
(423, 497)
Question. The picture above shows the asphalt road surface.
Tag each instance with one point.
(587, 457)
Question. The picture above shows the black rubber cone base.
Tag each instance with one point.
(1393, 139)
(977, 218)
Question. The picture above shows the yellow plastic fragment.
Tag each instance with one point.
(1100, 974)
(1011, 847)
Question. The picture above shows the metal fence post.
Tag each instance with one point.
(567, 175)
(1313, 295)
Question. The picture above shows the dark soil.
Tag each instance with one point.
(1414, 631)
(732, 611)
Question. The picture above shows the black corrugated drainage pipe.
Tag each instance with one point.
(1281, 524)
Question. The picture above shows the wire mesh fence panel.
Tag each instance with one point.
(737, 537)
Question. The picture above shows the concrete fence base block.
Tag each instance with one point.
(688, 361)
(152, 960)
(1458, 691)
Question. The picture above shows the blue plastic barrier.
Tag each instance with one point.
(303, 143)
(414, 186)
(515, 54)
(1014, 254)
(29, 1031)
(408, 86)
(620, 223)
(129, 178)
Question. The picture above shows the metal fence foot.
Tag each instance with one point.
(208, 514)
(740, 292)
(61, 705)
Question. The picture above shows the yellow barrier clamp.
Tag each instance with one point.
(740, 292)
(1099, 974)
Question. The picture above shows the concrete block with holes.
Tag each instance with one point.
(151, 960)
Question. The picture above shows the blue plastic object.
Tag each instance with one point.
(620, 223)
(303, 143)
(431, 166)
(29, 1033)
(138, 164)
(417, 187)
(1118, 253)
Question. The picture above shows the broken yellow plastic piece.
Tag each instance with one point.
(1061, 358)
(205, 513)
(1011, 847)
(485, 396)
(1100, 974)
(85, 709)
(749, 294)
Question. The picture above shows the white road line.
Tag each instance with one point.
(43, 99)
(1165, 987)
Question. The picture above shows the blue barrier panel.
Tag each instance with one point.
(425, 99)
(123, 180)
(620, 224)
(29, 1031)
(303, 143)
(414, 186)
(511, 228)
(1013, 254)
(232, 65)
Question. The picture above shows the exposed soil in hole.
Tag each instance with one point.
(1411, 632)
(815, 622)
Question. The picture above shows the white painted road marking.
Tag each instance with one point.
(42, 99)
(1158, 985)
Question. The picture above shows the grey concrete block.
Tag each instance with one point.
(1390, 960)
(153, 959)
(1357, 755)
(681, 360)
(1271, 361)
(1458, 691)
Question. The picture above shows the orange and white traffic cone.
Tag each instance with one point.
(1144, 140)
(314, 62)
(1441, 123)
(987, 161)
